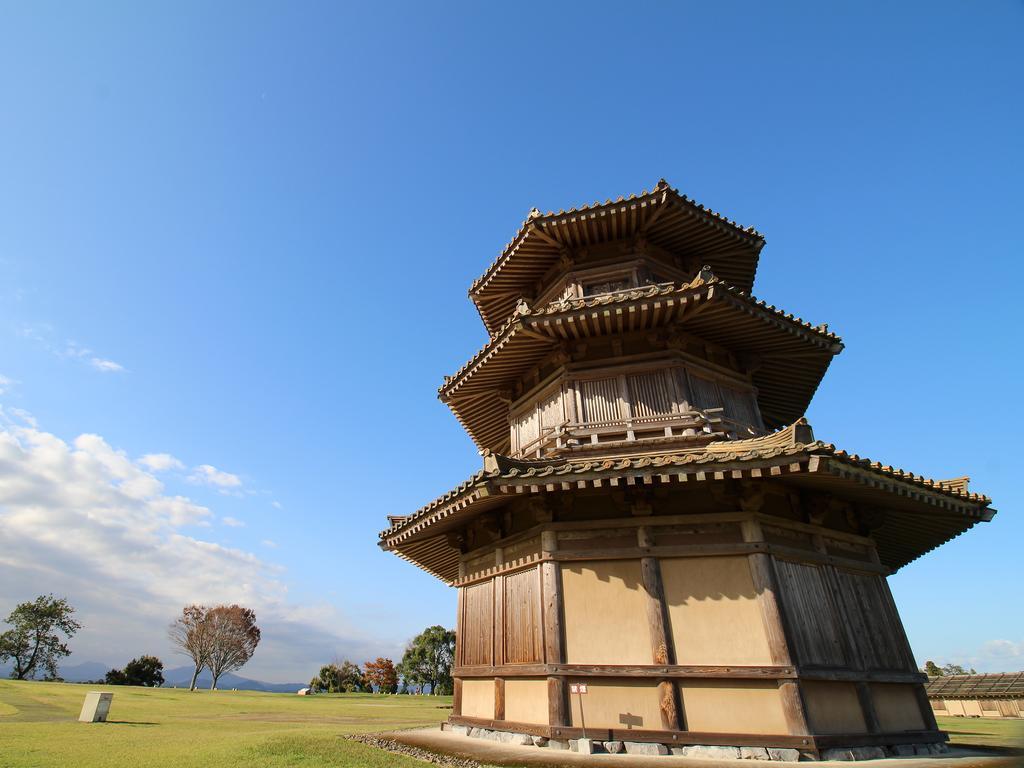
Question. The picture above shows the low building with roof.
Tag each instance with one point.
(658, 549)
(992, 695)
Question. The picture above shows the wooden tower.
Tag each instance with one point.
(654, 517)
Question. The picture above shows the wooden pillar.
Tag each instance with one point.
(554, 642)
(457, 696)
(499, 698)
(762, 571)
(662, 649)
(498, 632)
(867, 705)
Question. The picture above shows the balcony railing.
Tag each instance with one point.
(699, 426)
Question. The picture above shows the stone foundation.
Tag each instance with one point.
(707, 752)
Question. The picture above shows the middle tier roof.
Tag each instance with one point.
(793, 354)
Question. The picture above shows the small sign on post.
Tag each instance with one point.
(95, 707)
(579, 689)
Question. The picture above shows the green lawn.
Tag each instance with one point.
(161, 727)
(983, 731)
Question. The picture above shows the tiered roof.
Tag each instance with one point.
(707, 306)
(663, 216)
(716, 307)
(925, 513)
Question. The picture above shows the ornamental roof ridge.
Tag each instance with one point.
(704, 278)
(535, 217)
(794, 440)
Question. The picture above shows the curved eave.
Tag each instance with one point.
(710, 309)
(921, 514)
(664, 217)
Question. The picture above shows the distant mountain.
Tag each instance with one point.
(180, 677)
(73, 673)
(87, 670)
(177, 677)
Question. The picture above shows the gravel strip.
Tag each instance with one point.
(390, 745)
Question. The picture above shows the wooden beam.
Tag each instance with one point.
(808, 742)
(499, 698)
(457, 697)
(762, 572)
(662, 649)
(554, 638)
(703, 672)
(558, 709)
(867, 706)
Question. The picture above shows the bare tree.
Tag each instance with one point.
(191, 633)
(234, 637)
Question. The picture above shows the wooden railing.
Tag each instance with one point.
(568, 436)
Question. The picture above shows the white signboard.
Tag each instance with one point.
(95, 707)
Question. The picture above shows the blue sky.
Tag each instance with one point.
(241, 235)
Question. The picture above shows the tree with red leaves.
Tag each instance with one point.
(382, 675)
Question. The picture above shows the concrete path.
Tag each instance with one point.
(495, 753)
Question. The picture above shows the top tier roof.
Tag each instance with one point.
(663, 216)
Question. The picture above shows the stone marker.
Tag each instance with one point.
(95, 707)
(583, 746)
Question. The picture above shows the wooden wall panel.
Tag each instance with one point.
(478, 698)
(833, 707)
(732, 706)
(704, 392)
(605, 613)
(713, 611)
(477, 624)
(873, 627)
(522, 635)
(650, 393)
(617, 705)
(526, 701)
(740, 406)
(551, 412)
(600, 400)
(811, 616)
(897, 707)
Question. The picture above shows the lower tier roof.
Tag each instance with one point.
(925, 513)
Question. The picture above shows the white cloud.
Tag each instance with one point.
(206, 474)
(5, 383)
(160, 462)
(276, 505)
(269, 544)
(1002, 650)
(107, 366)
(43, 334)
(232, 522)
(82, 520)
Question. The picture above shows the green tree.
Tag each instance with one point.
(956, 669)
(34, 641)
(116, 677)
(932, 669)
(146, 671)
(341, 677)
(428, 659)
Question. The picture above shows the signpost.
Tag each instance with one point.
(95, 707)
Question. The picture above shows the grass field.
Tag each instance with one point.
(975, 731)
(162, 727)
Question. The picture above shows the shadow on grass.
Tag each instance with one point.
(129, 722)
